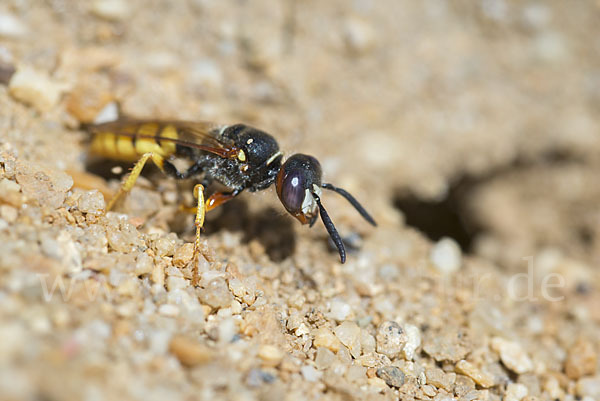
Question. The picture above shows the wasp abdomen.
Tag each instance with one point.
(129, 146)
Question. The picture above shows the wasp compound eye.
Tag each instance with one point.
(299, 179)
(292, 190)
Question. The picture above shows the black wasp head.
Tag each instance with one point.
(299, 189)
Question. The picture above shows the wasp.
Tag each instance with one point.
(237, 156)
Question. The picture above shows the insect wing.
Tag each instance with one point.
(198, 135)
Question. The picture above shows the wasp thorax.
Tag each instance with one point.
(257, 147)
(298, 182)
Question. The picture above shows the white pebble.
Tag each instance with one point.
(35, 88)
(537, 15)
(413, 341)
(310, 374)
(112, 10)
(512, 355)
(589, 387)
(339, 310)
(446, 255)
(159, 341)
(144, 264)
(515, 392)
(358, 35)
(91, 202)
(110, 112)
(206, 73)
(391, 339)
(11, 27)
(227, 330)
(551, 47)
(168, 310)
(176, 283)
(349, 334)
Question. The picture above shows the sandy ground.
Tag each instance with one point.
(471, 123)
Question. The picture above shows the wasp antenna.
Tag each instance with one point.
(335, 236)
(352, 201)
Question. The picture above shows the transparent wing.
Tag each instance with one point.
(203, 135)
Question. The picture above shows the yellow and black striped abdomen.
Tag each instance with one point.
(128, 142)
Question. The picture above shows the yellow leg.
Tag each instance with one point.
(133, 176)
(199, 223)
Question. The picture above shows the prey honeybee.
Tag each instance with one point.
(237, 156)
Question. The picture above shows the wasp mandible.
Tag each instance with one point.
(237, 156)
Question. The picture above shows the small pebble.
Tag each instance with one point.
(108, 113)
(446, 255)
(512, 355)
(227, 330)
(589, 387)
(356, 374)
(392, 376)
(216, 294)
(111, 10)
(87, 99)
(6, 72)
(35, 88)
(359, 36)
(552, 387)
(447, 345)
(122, 236)
(270, 355)
(10, 192)
(310, 374)
(176, 283)
(391, 339)
(515, 392)
(480, 377)
(413, 341)
(258, 377)
(11, 27)
(302, 330)
(183, 255)
(91, 202)
(323, 337)
(190, 352)
(463, 385)
(325, 358)
(429, 390)
(440, 379)
(144, 264)
(349, 334)
(367, 341)
(206, 73)
(43, 187)
(9, 213)
(165, 246)
(168, 310)
(339, 310)
(581, 360)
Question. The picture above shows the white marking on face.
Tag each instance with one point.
(241, 156)
(249, 141)
(272, 158)
(222, 129)
(309, 205)
(317, 190)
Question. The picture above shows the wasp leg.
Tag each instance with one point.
(199, 223)
(160, 162)
(218, 198)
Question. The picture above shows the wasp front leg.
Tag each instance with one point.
(202, 207)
